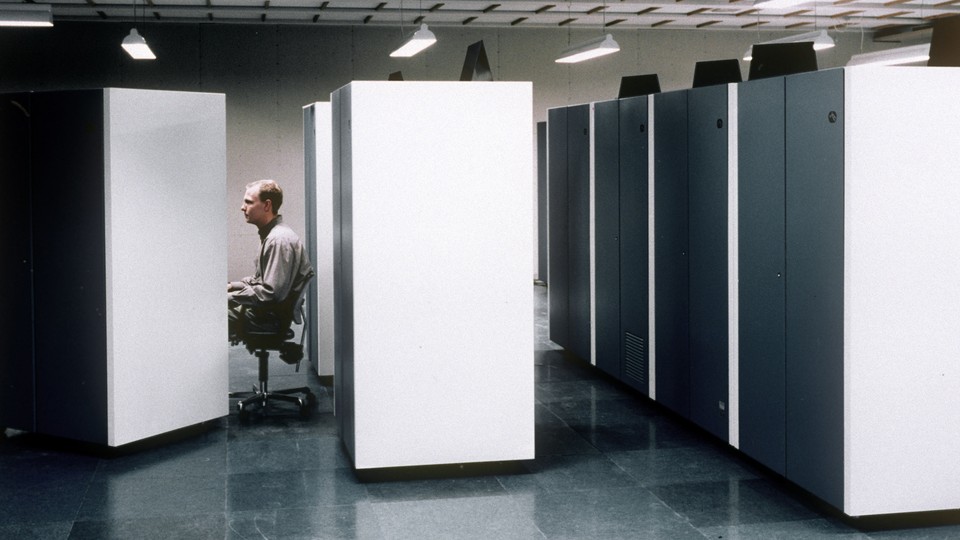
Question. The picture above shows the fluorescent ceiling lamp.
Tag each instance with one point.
(420, 40)
(589, 49)
(820, 38)
(137, 47)
(780, 4)
(898, 56)
(26, 15)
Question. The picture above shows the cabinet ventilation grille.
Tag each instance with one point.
(635, 358)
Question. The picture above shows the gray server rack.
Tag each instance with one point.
(569, 184)
(814, 287)
(16, 310)
(606, 137)
(558, 275)
(707, 144)
(791, 278)
(67, 160)
(542, 205)
(762, 267)
(671, 260)
(634, 240)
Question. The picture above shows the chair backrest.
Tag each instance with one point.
(297, 311)
(289, 311)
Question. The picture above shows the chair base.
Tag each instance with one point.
(259, 399)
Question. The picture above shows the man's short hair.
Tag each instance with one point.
(268, 190)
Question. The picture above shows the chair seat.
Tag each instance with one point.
(273, 341)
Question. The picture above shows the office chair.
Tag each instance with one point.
(261, 343)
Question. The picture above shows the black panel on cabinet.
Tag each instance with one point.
(606, 150)
(558, 276)
(67, 141)
(16, 265)
(634, 242)
(762, 260)
(814, 289)
(671, 251)
(708, 286)
(578, 215)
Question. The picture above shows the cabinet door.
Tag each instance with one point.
(67, 138)
(707, 184)
(606, 178)
(670, 251)
(542, 206)
(578, 215)
(634, 242)
(16, 310)
(814, 289)
(762, 253)
(558, 275)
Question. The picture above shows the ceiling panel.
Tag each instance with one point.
(706, 15)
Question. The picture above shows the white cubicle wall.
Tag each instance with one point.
(435, 319)
(901, 290)
(166, 260)
(318, 185)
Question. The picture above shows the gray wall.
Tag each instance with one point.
(269, 72)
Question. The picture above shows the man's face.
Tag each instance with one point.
(255, 210)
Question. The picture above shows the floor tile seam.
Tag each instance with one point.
(86, 491)
(375, 500)
(233, 474)
(139, 518)
(34, 523)
(297, 438)
(152, 478)
(684, 518)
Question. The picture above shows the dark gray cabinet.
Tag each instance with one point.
(606, 141)
(707, 129)
(16, 310)
(634, 142)
(791, 278)
(762, 266)
(815, 276)
(621, 239)
(558, 275)
(671, 236)
(569, 228)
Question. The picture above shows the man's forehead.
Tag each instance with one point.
(253, 194)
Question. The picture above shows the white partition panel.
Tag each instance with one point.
(437, 218)
(166, 261)
(319, 172)
(901, 292)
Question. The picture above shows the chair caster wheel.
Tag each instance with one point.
(242, 413)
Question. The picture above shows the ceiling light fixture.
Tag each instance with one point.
(32, 15)
(912, 54)
(420, 40)
(134, 43)
(780, 4)
(137, 47)
(820, 38)
(589, 49)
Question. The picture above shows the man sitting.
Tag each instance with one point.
(261, 301)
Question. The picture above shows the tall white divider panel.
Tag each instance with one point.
(166, 261)
(318, 178)
(901, 290)
(435, 318)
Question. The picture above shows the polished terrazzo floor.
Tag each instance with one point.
(610, 464)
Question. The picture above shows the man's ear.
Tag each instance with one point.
(268, 205)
